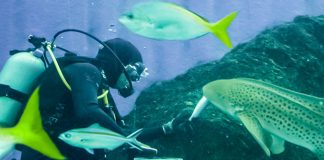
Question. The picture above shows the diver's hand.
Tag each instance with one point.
(179, 124)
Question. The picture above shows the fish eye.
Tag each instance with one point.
(67, 135)
(130, 16)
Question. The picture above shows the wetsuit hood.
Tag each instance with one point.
(126, 52)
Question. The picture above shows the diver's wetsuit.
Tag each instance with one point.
(62, 110)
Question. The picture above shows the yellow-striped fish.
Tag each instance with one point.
(168, 21)
(97, 137)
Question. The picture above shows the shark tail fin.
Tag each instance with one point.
(29, 130)
(219, 28)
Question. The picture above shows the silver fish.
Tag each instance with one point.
(97, 137)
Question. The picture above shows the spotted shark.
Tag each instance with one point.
(272, 114)
(29, 132)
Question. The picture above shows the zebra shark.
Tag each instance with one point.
(272, 114)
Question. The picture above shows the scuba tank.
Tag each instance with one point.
(18, 77)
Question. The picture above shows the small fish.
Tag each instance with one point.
(97, 137)
(168, 21)
(272, 114)
(29, 132)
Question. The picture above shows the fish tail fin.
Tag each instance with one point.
(132, 139)
(146, 147)
(137, 144)
(8, 143)
(141, 146)
(134, 145)
(135, 134)
(29, 130)
(219, 28)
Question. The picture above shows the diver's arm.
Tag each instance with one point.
(149, 134)
(119, 119)
(179, 124)
(84, 80)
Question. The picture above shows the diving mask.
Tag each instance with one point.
(136, 71)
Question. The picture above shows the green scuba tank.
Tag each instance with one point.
(18, 77)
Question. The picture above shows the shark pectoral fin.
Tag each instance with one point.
(277, 145)
(254, 127)
(91, 151)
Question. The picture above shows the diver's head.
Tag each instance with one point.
(120, 76)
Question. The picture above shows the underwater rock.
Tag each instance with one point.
(289, 55)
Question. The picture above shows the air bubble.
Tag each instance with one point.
(112, 30)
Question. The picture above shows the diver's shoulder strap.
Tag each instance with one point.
(15, 51)
(7, 91)
(70, 58)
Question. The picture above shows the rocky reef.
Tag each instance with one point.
(290, 55)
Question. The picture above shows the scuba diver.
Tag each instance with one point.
(62, 109)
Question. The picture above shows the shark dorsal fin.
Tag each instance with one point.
(312, 103)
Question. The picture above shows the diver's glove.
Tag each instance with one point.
(180, 123)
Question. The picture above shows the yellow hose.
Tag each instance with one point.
(59, 71)
(105, 97)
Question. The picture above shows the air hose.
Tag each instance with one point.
(59, 71)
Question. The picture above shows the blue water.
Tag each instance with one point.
(165, 59)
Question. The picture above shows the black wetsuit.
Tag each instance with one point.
(62, 110)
